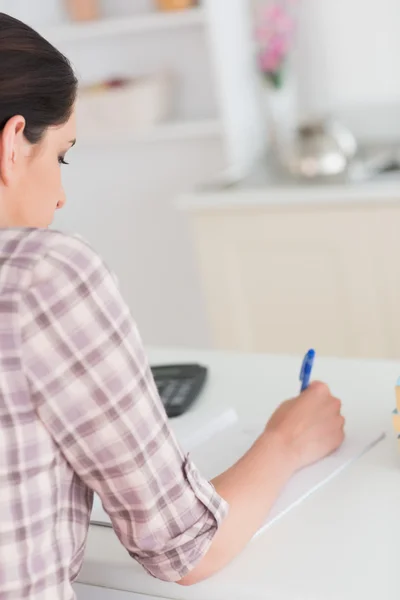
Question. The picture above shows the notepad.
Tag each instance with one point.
(219, 454)
(194, 430)
(224, 439)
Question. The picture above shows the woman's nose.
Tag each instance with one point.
(62, 201)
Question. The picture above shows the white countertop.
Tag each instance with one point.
(260, 189)
(341, 543)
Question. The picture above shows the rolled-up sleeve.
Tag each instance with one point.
(93, 390)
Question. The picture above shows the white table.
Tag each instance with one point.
(341, 543)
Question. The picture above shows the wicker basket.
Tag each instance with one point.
(136, 107)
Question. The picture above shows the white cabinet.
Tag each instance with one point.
(281, 277)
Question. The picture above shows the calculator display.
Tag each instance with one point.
(167, 372)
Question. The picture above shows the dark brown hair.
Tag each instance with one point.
(36, 80)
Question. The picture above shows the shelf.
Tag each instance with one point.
(165, 132)
(156, 21)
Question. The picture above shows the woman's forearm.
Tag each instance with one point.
(250, 487)
(299, 433)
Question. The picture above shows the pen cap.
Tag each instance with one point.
(307, 363)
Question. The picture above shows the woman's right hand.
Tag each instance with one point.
(308, 427)
(300, 432)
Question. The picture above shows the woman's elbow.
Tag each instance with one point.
(187, 582)
(200, 573)
(190, 579)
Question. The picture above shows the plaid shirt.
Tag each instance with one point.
(79, 413)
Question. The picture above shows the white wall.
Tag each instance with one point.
(349, 60)
(121, 198)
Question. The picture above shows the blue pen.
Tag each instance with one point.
(306, 368)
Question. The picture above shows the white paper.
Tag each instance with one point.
(221, 453)
(222, 440)
(193, 431)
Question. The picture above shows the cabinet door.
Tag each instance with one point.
(284, 280)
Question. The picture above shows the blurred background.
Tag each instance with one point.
(237, 165)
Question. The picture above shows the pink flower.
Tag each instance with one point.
(274, 34)
(269, 62)
(278, 45)
(284, 25)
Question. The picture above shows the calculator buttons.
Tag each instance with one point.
(177, 400)
(178, 386)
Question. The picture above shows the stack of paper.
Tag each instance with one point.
(220, 453)
(222, 440)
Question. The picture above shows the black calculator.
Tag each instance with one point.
(179, 386)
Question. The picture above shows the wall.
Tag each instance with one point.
(121, 198)
(349, 61)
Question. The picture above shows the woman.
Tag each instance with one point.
(79, 411)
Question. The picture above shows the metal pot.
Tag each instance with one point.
(321, 148)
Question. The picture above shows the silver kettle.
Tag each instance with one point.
(321, 148)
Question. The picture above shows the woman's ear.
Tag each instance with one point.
(12, 142)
